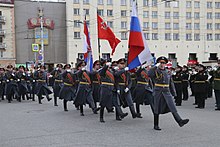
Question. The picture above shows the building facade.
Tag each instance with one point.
(185, 31)
(7, 33)
(27, 22)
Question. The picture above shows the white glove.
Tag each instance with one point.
(116, 68)
(18, 80)
(23, 74)
(144, 66)
(126, 68)
(68, 70)
(157, 64)
(50, 76)
(83, 68)
(13, 74)
(33, 80)
(57, 68)
(108, 63)
(126, 89)
(7, 80)
(118, 91)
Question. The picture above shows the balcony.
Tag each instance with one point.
(2, 19)
(2, 32)
(3, 46)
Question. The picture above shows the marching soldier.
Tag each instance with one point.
(185, 82)
(58, 82)
(123, 84)
(216, 75)
(143, 90)
(22, 84)
(177, 80)
(200, 86)
(11, 88)
(2, 83)
(163, 93)
(68, 90)
(84, 92)
(41, 87)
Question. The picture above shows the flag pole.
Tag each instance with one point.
(99, 46)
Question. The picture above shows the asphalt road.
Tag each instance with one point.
(29, 124)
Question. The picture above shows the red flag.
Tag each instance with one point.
(104, 32)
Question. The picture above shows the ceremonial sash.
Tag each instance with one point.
(87, 77)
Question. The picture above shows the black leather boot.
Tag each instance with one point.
(81, 110)
(156, 122)
(39, 99)
(102, 115)
(55, 101)
(118, 118)
(179, 120)
(138, 111)
(65, 105)
(133, 113)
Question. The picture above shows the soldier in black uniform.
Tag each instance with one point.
(84, 92)
(41, 87)
(11, 88)
(143, 90)
(22, 84)
(123, 84)
(200, 86)
(163, 93)
(68, 91)
(177, 80)
(216, 75)
(2, 83)
(56, 74)
(185, 83)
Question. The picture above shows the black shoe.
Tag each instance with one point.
(9, 101)
(40, 103)
(111, 110)
(124, 115)
(49, 99)
(95, 110)
(102, 120)
(197, 107)
(118, 119)
(82, 114)
(194, 104)
(217, 109)
(183, 122)
(65, 109)
(55, 105)
(157, 128)
(139, 115)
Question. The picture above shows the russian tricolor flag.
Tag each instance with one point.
(87, 49)
(139, 52)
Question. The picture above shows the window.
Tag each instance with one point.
(123, 24)
(75, 1)
(176, 36)
(106, 56)
(209, 15)
(154, 25)
(145, 14)
(101, 12)
(176, 26)
(123, 13)
(196, 4)
(154, 36)
(86, 11)
(85, 1)
(109, 12)
(76, 35)
(154, 14)
(188, 15)
(146, 25)
(110, 24)
(188, 4)
(196, 26)
(175, 4)
(188, 26)
(123, 35)
(109, 2)
(217, 15)
(167, 36)
(188, 37)
(76, 11)
(196, 15)
(145, 2)
(154, 3)
(76, 23)
(100, 2)
(171, 56)
(167, 4)
(147, 36)
(209, 26)
(217, 26)
(217, 5)
(217, 36)
(209, 4)
(167, 26)
(167, 15)
(209, 36)
(175, 15)
(123, 2)
(196, 37)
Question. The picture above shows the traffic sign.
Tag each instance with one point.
(35, 47)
